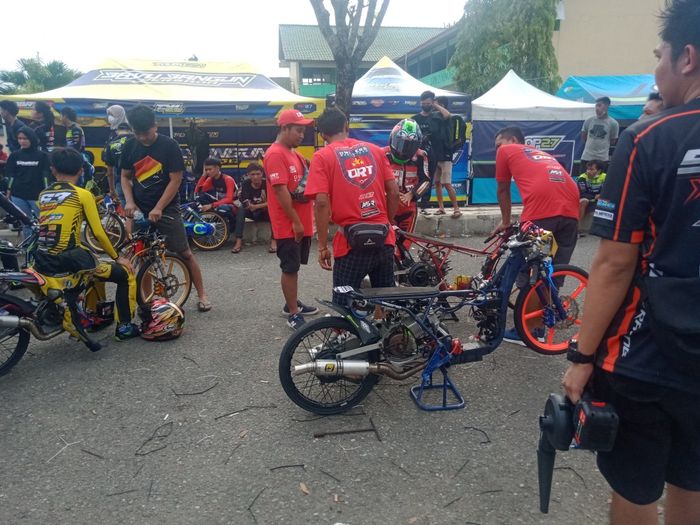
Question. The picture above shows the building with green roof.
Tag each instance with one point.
(312, 70)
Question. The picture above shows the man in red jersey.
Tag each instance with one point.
(352, 183)
(550, 196)
(290, 213)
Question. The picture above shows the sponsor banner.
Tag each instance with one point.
(112, 76)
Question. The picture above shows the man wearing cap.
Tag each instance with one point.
(290, 213)
(599, 133)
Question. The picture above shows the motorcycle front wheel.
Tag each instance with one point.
(220, 235)
(168, 277)
(323, 339)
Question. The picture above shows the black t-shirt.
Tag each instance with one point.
(151, 167)
(651, 197)
(433, 129)
(112, 153)
(28, 173)
(254, 195)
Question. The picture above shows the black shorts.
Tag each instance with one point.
(173, 228)
(658, 440)
(350, 269)
(293, 254)
(565, 231)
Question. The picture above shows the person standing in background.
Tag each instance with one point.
(42, 115)
(599, 134)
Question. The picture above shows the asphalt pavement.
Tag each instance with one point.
(198, 430)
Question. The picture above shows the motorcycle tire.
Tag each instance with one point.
(221, 233)
(174, 285)
(335, 394)
(13, 343)
(530, 311)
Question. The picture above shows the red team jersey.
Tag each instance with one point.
(545, 186)
(352, 173)
(284, 166)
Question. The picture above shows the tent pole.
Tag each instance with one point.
(170, 122)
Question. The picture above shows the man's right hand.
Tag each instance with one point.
(125, 263)
(130, 208)
(501, 227)
(298, 229)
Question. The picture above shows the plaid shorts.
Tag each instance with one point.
(350, 269)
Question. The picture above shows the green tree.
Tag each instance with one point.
(33, 75)
(498, 35)
(356, 25)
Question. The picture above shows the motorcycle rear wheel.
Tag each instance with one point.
(13, 344)
(217, 239)
(323, 395)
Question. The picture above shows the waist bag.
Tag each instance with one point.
(365, 236)
(674, 318)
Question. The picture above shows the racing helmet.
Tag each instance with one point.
(405, 139)
(161, 320)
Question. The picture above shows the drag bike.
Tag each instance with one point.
(56, 304)
(208, 230)
(112, 222)
(331, 364)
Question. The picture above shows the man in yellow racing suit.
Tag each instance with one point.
(63, 208)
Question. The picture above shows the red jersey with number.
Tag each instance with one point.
(352, 173)
(284, 166)
(546, 187)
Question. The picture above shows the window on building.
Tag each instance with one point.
(314, 76)
(439, 60)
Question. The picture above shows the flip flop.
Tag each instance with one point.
(456, 214)
(236, 250)
(203, 306)
(440, 212)
(272, 250)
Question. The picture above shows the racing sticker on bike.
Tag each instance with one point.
(357, 165)
(148, 171)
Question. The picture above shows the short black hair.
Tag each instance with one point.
(331, 122)
(254, 166)
(604, 100)
(67, 161)
(141, 117)
(443, 101)
(46, 113)
(10, 106)
(680, 25)
(512, 132)
(597, 163)
(655, 95)
(69, 113)
(427, 94)
(212, 161)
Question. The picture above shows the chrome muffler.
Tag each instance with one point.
(346, 367)
(13, 321)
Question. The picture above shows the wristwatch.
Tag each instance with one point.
(573, 355)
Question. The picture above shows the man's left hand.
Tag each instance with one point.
(206, 207)
(324, 258)
(125, 263)
(406, 198)
(575, 380)
(155, 215)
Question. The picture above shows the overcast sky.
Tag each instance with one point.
(82, 33)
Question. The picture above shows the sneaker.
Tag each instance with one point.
(295, 321)
(304, 309)
(511, 335)
(126, 331)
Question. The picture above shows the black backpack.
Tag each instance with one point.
(456, 134)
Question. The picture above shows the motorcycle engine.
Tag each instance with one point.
(422, 274)
(402, 339)
(49, 314)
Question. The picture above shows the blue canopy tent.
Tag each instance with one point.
(386, 94)
(550, 124)
(628, 93)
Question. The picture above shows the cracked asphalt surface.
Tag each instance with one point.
(198, 430)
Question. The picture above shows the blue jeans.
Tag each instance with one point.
(31, 210)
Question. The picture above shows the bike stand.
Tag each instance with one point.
(447, 387)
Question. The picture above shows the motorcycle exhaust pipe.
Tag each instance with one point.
(338, 367)
(13, 321)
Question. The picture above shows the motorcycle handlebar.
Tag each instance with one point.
(12, 209)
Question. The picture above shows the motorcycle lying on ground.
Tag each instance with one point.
(331, 364)
(68, 303)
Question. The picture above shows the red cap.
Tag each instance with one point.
(293, 117)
